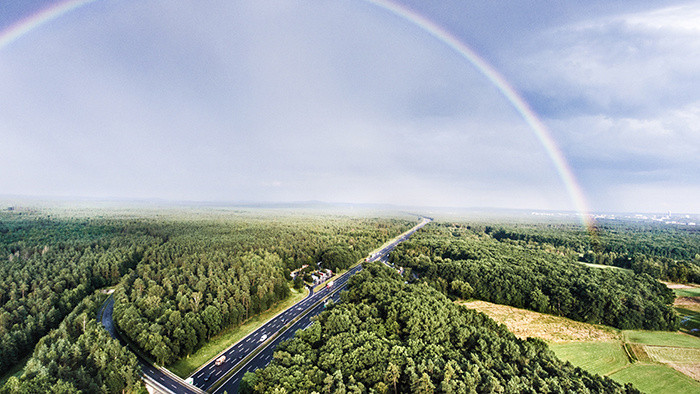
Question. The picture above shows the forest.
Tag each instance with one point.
(50, 265)
(473, 262)
(79, 356)
(390, 337)
(181, 276)
(662, 251)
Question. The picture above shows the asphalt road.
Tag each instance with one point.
(150, 372)
(206, 376)
(265, 356)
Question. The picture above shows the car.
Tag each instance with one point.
(263, 338)
(206, 378)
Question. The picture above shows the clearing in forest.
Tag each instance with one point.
(555, 329)
(653, 361)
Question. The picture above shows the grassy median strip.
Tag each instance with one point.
(264, 345)
(217, 344)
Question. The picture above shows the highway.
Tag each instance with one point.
(164, 381)
(263, 338)
(265, 355)
(206, 376)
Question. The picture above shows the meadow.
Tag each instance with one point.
(653, 361)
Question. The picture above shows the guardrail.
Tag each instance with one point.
(311, 293)
(243, 362)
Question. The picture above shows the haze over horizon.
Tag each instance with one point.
(345, 102)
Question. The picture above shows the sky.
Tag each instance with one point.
(344, 101)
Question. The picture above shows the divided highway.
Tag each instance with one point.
(263, 339)
(206, 376)
(265, 355)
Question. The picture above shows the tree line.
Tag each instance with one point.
(666, 252)
(79, 356)
(468, 263)
(185, 276)
(389, 337)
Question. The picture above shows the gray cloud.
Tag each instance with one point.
(296, 101)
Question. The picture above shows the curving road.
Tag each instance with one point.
(263, 339)
(156, 377)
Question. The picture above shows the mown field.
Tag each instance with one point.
(654, 362)
(656, 378)
(601, 358)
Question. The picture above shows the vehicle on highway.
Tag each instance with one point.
(263, 338)
(329, 285)
(220, 360)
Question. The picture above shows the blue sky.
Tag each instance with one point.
(342, 101)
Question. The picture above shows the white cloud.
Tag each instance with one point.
(621, 94)
(328, 101)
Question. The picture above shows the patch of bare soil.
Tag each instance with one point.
(688, 304)
(672, 285)
(687, 301)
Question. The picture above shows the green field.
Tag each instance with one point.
(677, 355)
(694, 292)
(656, 378)
(184, 367)
(661, 338)
(607, 267)
(597, 357)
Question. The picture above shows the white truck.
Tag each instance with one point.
(220, 360)
(329, 285)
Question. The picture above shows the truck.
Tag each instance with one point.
(329, 285)
(220, 360)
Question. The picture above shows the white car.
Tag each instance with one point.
(263, 338)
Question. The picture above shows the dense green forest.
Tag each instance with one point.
(184, 275)
(465, 261)
(663, 251)
(390, 337)
(79, 356)
(208, 276)
(48, 266)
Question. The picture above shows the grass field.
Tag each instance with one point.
(656, 378)
(608, 267)
(597, 357)
(673, 354)
(228, 337)
(601, 349)
(687, 292)
(661, 338)
(554, 329)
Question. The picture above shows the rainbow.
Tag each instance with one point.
(31, 22)
(574, 190)
(555, 154)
